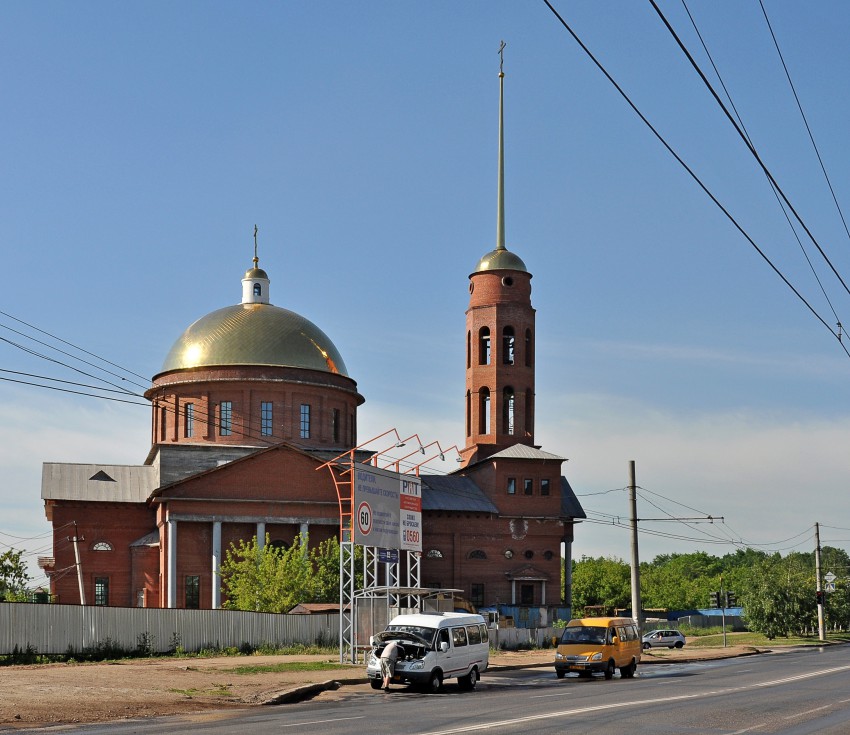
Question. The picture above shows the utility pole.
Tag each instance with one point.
(818, 586)
(637, 606)
(76, 539)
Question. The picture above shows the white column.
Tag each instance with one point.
(216, 565)
(171, 596)
(304, 531)
(513, 592)
(543, 592)
(261, 535)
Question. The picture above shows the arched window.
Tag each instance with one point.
(484, 411)
(279, 545)
(258, 289)
(468, 414)
(469, 349)
(528, 348)
(508, 406)
(484, 346)
(101, 546)
(434, 554)
(508, 344)
(477, 554)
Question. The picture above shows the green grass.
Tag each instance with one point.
(758, 640)
(287, 666)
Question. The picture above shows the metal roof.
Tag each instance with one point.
(570, 507)
(452, 492)
(108, 483)
(523, 451)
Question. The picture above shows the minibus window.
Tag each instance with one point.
(473, 633)
(459, 636)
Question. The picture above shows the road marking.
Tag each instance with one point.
(638, 703)
(322, 722)
(807, 712)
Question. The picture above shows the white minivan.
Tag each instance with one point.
(433, 647)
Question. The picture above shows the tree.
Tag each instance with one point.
(13, 575)
(603, 581)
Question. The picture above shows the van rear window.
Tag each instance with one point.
(485, 636)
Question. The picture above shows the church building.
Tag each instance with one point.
(253, 398)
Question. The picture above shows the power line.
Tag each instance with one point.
(696, 178)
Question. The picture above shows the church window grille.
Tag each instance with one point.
(225, 422)
(266, 423)
(508, 344)
(101, 591)
(102, 546)
(477, 596)
(305, 420)
(508, 406)
(484, 411)
(434, 554)
(189, 418)
(193, 592)
(484, 346)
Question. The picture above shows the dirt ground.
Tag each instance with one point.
(52, 694)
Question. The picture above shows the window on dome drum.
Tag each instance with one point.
(266, 418)
(101, 591)
(434, 554)
(508, 404)
(544, 487)
(528, 486)
(102, 546)
(189, 420)
(225, 418)
(193, 592)
(528, 348)
(477, 554)
(258, 289)
(484, 346)
(477, 594)
(508, 343)
(335, 424)
(305, 420)
(484, 411)
(512, 486)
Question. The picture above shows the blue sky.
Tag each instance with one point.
(142, 142)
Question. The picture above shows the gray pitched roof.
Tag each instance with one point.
(108, 483)
(451, 492)
(570, 507)
(523, 451)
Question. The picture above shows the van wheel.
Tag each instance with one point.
(560, 674)
(435, 683)
(609, 669)
(627, 672)
(469, 681)
(376, 683)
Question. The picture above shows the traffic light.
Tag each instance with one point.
(714, 599)
(731, 599)
(820, 597)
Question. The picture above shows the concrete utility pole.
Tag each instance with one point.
(637, 606)
(818, 586)
(75, 539)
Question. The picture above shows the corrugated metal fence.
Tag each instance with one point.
(56, 629)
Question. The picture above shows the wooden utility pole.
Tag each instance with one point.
(818, 586)
(76, 539)
(637, 606)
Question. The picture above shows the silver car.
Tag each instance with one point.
(663, 639)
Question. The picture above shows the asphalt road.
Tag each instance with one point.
(794, 692)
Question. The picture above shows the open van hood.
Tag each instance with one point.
(401, 635)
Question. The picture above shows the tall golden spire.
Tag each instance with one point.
(500, 204)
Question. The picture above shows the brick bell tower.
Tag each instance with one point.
(499, 341)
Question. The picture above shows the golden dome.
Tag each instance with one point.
(254, 334)
(500, 259)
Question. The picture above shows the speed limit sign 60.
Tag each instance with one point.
(364, 518)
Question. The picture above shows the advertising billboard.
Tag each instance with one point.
(387, 509)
